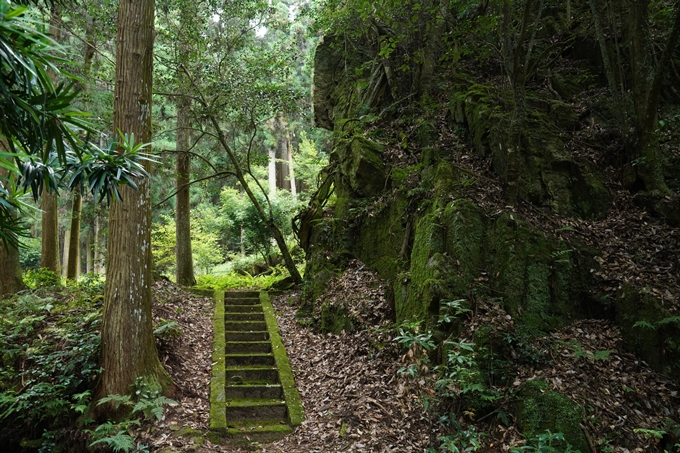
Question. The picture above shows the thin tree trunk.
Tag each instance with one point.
(72, 269)
(184, 269)
(10, 266)
(183, 253)
(272, 172)
(267, 219)
(129, 357)
(49, 258)
(89, 263)
(65, 251)
(289, 151)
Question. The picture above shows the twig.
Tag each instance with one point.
(588, 438)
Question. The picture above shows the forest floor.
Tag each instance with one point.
(356, 400)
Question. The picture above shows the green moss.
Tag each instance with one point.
(656, 338)
(296, 414)
(218, 408)
(531, 274)
(335, 320)
(538, 408)
(379, 241)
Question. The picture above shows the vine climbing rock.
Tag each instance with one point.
(252, 393)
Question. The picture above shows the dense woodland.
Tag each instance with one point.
(471, 207)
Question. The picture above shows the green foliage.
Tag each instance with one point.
(41, 278)
(205, 246)
(50, 346)
(167, 329)
(148, 404)
(241, 280)
(461, 441)
(101, 170)
(543, 443)
(30, 253)
(246, 229)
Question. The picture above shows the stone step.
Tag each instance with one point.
(247, 326)
(256, 409)
(230, 316)
(254, 391)
(245, 347)
(245, 308)
(236, 375)
(253, 395)
(262, 335)
(241, 295)
(253, 359)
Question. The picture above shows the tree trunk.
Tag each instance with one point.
(96, 253)
(10, 270)
(72, 269)
(64, 251)
(184, 270)
(129, 358)
(272, 172)
(291, 171)
(49, 258)
(10, 267)
(183, 254)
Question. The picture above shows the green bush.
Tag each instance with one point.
(30, 253)
(50, 347)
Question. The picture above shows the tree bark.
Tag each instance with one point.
(10, 267)
(72, 269)
(291, 170)
(129, 358)
(49, 258)
(184, 271)
(64, 251)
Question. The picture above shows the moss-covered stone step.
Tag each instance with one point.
(250, 308)
(253, 395)
(229, 316)
(242, 301)
(262, 335)
(256, 409)
(259, 430)
(248, 326)
(243, 347)
(244, 374)
(255, 358)
(241, 295)
(273, 391)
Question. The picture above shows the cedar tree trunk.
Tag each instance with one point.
(129, 353)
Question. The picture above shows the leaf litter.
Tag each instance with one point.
(356, 401)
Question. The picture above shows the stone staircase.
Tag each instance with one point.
(253, 395)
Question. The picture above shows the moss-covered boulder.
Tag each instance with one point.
(538, 409)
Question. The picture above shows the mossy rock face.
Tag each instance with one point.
(538, 409)
(380, 240)
(549, 176)
(656, 337)
(445, 260)
(533, 275)
(361, 167)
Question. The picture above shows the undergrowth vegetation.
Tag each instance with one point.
(50, 345)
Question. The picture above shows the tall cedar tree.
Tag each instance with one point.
(184, 259)
(128, 349)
